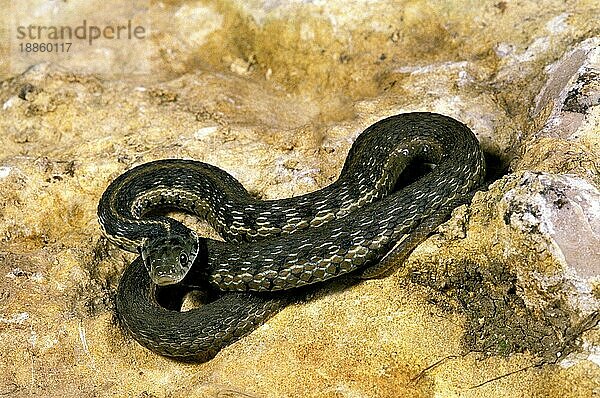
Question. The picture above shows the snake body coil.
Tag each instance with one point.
(274, 245)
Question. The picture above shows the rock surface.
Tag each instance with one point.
(502, 301)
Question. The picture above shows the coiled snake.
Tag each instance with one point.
(362, 221)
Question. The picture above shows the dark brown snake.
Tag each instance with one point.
(362, 222)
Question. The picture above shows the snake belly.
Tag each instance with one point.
(275, 245)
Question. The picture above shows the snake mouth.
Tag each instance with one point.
(163, 276)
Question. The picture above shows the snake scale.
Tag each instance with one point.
(364, 222)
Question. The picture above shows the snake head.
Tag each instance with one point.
(169, 258)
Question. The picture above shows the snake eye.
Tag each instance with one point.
(183, 258)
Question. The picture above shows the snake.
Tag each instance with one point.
(365, 223)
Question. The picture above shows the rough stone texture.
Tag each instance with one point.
(503, 301)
